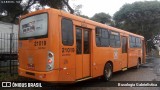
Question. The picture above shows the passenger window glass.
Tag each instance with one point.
(135, 42)
(133, 39)
(124, 44)
(115, 39)
(78, 40)
(86, 42)
(67, 32)
(102, 37)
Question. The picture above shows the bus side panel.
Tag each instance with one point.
(117, 59)
(67, 59)
(134, 55)
(104, 54)
(101, 56)
(132, 58)
(54, 41)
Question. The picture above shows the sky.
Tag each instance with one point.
(90, 7)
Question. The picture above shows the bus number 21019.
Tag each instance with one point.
(67, 50)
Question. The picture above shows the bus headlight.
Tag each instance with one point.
(50, 61)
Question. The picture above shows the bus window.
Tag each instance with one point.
(67, 32)
(132, 41)
(124, 44)
(138, 42)
(86, 42)
(135, 42)
(115, 39)
(35, 26)
(102, 37)
(78, 40)
(98, 36)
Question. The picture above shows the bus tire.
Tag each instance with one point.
(108, 70)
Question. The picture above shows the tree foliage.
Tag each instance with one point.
(77, 11)
(84, 16)
(140, 17)
(15, 8)
(102, 18)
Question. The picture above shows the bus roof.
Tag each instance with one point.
(87, 21)
(78, 18)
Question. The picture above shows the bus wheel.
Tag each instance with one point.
(107, 72)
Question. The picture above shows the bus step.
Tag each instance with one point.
(124, 69)
(83, 79)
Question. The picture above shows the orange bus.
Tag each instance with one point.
(58, 46)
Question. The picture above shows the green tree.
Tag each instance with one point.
(19, 7)
(84, 16)
(77, 9)
(140, 17)
(102, 18)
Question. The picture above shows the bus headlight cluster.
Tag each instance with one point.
(50, 61)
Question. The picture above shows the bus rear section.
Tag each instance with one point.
(37, 54)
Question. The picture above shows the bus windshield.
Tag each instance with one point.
(34, 26)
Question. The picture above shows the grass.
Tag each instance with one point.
(14, 77)
(8, 77)
(5, 73)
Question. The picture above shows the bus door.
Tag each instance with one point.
(124, 52)
(83, 53)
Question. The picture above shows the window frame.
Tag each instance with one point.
(89, 39)
(138, 44)
(101, 36)
(124, 45)
(114, 39)
(80, 29)
(34, 37)
(135, 42)
(72, 31)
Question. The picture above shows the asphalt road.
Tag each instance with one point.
(147, 72)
